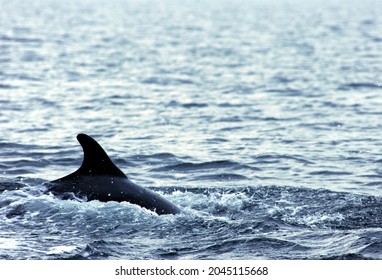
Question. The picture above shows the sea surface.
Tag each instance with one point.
(261, 120)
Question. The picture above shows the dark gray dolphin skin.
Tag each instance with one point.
(99, 178)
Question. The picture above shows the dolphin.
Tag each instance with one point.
(99, 178)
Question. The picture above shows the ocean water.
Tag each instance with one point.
(261, 120)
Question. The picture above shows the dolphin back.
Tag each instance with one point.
(99, 178)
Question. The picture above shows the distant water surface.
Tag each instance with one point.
(262, 120)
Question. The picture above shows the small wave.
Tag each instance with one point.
(98, 249)
(233, 105)
(167, 81)
(245, 245)
(161, 156)
(59, 250)
(188, 105)
(365, 85)
(348, 256)
(7, 86)
(194, 105)
(10, 186)
(32, 57)
(188, 166)
(232, 119)
(331, 104)
(217, 140)
(331, 173)
(336, 124)
(221, 177)
(275, 158)
(374, 249)
(287, 92)
(23, 40)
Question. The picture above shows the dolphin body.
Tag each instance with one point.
(99, 178)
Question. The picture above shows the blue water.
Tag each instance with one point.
(262, 120)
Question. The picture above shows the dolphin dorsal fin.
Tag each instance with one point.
(96, 161)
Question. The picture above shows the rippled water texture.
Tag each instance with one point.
(262, 120)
